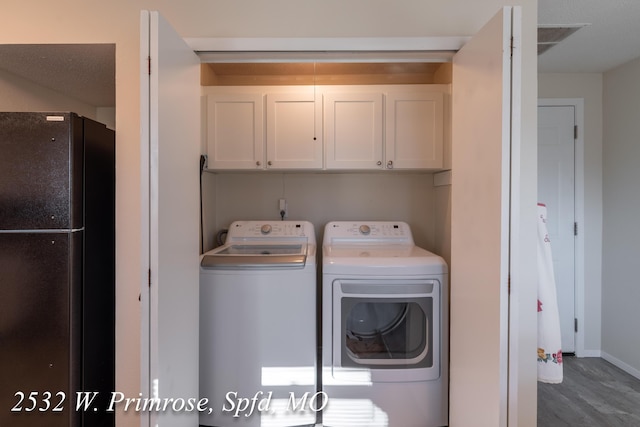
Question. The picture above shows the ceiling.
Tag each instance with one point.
(610, 38)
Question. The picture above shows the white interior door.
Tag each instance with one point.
(170, 124)
(483, 74)
(556, 189)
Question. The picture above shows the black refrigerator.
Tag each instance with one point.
(57, 270)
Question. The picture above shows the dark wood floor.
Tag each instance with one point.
(593, 393)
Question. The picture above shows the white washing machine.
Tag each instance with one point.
(258, 343)
(384, 328)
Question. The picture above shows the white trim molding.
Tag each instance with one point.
(328, 49)
(620, 364)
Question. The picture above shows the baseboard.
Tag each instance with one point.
(620, 364)
(589, 353)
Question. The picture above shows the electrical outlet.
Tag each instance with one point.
(282, 208)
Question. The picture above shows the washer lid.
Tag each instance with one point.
(258, 255)
(263, 245)
(257, 261)
(263, 249)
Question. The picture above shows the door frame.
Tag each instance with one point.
(442, 49)
(579, 247)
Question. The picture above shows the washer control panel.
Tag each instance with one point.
(398, 232)
(270, 229)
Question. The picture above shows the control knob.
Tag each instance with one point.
(265, 229)
(365, 229)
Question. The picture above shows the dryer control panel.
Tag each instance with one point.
(368, 231)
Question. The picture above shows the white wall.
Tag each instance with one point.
(19, 94)
(621, 201)
(587, 86)
(323, 197)
(117, 21)
(106, 115)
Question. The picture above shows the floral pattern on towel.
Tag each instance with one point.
(549, 361)
(549, 357)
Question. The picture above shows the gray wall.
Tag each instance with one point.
(621, 201)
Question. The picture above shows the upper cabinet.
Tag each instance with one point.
(400, 127)
(414, 130)
(342, 127)
(235, 139)
(294, 131)
(243, 134)
(353, 130)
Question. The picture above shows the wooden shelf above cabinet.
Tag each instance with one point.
(309, 73)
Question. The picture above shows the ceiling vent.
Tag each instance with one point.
(549, 35)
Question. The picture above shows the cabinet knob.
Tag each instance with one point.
(390, 164)
(269, 163)
(258, 163)
(379, 163)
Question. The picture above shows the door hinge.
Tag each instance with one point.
(575, 325)
(575, 228)
(511, 46)
(509, 284)
(149, 277)
(149, 64)
(575, 132)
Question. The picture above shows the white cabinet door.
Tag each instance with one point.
(353, 130)
(414, 130)
(235, 131)
(170, 141)
(294, 130)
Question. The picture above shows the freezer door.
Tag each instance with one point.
(41, 158)
(40, 326)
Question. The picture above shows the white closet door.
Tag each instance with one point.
(170, 125)
(482, 140)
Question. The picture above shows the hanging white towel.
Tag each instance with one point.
(549, 345)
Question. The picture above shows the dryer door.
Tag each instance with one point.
(388, 328)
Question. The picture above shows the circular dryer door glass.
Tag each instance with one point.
(367, 319)
(387, 332)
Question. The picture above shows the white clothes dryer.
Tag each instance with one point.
(384, 328)
(258, 346)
